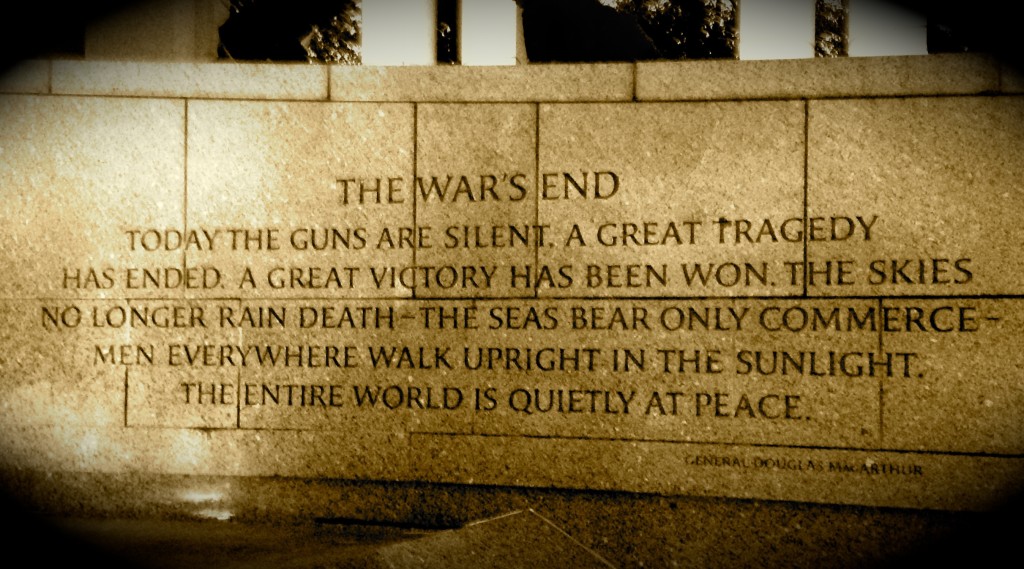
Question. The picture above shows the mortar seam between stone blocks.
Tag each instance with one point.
(193, 97)
(536, 190)
(806, 184)
(893, 450)
(735, 99)
(415, 172)
(126, 397)
(238, 386)
(881, 381)
(800, 97)
(634, 87)
(556, 297)
(881, 329)
(184, 163)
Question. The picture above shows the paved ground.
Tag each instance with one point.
(161, 544)
(518, 540)
(454, 527)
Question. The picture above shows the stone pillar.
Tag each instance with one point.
(878, 27)
(488, 32)
(772, 29)
(399, 32)
(168, 30)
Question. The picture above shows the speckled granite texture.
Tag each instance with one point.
(760, 297)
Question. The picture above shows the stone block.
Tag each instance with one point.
(936, 179)
(965, 393)
(188, 382)
(517, 83)
(828, 475)
(192, 80)
(32, 76)
(355, 367)
(671, 199)
(58, 367)
(314, 199)
(475, 198)
(78, 176)
(937, 74)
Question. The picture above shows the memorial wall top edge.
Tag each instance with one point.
(942, 74)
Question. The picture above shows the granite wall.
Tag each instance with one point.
(780, 280)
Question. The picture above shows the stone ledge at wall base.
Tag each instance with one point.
(946, 74)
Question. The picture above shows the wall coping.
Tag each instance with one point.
(704, 80)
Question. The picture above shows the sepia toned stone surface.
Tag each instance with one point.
(671, 199)
(176, 378)
(717, 372)
(312, 198)
(476, 202)
(368, 371)
(206, 452)
(78, 175)
(664, 337)
(60, 364)
(947, 74)
(838, 476)
(518, 83)
(32, 76)
(968, 389)
(202, 80)
(939, 177)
